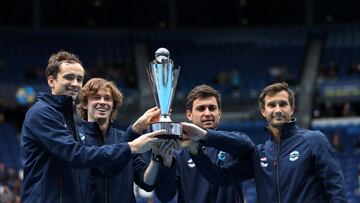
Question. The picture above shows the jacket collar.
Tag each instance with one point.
(93, 127)
(89, 127)
(57, 101)
(287, 130)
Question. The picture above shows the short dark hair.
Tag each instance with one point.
(202, 91)
(57, 59)
(274, 89)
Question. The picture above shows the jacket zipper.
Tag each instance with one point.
(105, 191)
(277, 163)
(237, 188)
(103, 142)
(79, 184)
(212, 194)
(61, 184)
(212, 187)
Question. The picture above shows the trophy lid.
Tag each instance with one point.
(161, 53)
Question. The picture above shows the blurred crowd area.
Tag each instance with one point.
(10, 184)
(337, 108)
(121, 72)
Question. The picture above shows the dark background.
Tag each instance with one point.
(180, 14)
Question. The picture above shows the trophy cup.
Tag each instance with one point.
(163, 79)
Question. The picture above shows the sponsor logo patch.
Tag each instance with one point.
(191, 163)
(264, 165)
(82, 136)
(294, 155)
(263, 162)
(221, 156)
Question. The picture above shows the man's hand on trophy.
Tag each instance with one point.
(165, 150)
(144, 143)
(150, 116)
(155, 149)
(193, 132)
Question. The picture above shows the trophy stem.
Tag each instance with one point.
(165, 118)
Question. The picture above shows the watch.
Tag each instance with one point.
(157, 158)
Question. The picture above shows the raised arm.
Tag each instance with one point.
(237, 144)
(51, 133)
(133, 134)
(167, 181)
(162, 149)
(232, 173)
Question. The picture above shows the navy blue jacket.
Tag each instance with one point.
(191, 185)
(118, 180)
(302, 168)
(52, 156)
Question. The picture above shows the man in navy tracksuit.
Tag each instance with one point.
(204, 110)
(295, 165)
(50, 150)
(99, 101)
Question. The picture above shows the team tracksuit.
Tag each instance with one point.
(302, 168)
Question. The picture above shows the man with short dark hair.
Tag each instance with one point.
(295, 165)
(203, 109)
(50, 150)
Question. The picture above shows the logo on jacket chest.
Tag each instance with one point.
(263, 162)
(221, 156)
(191, 163)
(82, 136)
(294, 155)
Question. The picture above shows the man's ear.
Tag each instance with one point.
(189, 115)
(51, 81)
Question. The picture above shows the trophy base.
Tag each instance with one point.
(173, 130)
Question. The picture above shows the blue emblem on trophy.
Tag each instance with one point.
(163, 78)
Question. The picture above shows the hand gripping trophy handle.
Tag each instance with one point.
(163, 79)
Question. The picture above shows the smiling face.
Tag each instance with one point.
(100, 106)
(205, 113)
(68, 80)
(277, 109)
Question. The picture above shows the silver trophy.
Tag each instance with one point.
(163, 79)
